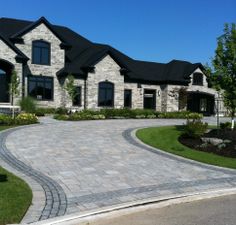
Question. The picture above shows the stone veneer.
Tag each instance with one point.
(167, 97)
(105, 70)
(41, 32)
(9, 55)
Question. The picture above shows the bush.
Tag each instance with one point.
(28, 104)
(61, 110)
(180, 115)
(6, 120)
(225, 125)
(26, 118)
(194, 128)
(42, 111)
(125, 113)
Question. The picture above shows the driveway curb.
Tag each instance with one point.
(130, 136)
(133, 207)
(53, 198)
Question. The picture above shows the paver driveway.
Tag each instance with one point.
(97, 163)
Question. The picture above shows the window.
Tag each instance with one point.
(40, 87)
(203, 104)
(77, 99)
(41, 53)
(106, 94)
(128, 98)
(197, 79)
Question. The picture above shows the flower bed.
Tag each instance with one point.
(20, 119)
(125, 114)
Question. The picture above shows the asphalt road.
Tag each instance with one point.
(215, 211)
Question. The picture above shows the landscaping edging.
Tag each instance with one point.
(54, 196)
(130, 136)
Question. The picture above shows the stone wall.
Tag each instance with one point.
(41, 32)
(172, 95)
(138, 94)
(9, 55)
(105, 70)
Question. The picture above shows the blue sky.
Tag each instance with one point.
(153, 30)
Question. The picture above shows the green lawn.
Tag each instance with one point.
(15, 197)
(166, 139)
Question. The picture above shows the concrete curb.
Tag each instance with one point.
(49, 199)
(135, 141)
(133, 207)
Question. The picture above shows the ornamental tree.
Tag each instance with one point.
(70, 87)
(14, 90)
(224, 68)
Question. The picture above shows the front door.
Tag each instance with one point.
(149, 100)
(4, 95)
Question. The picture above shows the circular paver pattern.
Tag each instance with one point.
(98, 163)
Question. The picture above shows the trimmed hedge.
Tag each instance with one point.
(20, 119)
(125, 114)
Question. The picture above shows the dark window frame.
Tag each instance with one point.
(106, 93)
(34, 46)
(198, 79)
(130, 99)
(76, 97)
(44, 83)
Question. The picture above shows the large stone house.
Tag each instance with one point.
(43, 55)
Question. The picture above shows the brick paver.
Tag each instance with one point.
(98, 163)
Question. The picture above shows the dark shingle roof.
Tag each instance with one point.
(82, 53)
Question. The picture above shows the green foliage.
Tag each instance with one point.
(194, 128)
(70, 87)
(28, 104)
(6, 120)
(21, 119)
(14, 84)
(25, 119)
(166, 139)
(61, 110)
(125, 113)
(225, 125)
(42, 111)
(15, 199)
(224, 63)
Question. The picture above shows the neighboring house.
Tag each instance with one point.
(44, 54)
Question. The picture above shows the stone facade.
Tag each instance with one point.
(8, 55)
(41, 32)
(107, 69)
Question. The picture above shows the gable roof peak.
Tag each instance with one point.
(32, 25)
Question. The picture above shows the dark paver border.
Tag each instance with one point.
(132, 139)
(56, 200)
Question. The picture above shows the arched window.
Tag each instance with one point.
(106, 94)
(41, 53)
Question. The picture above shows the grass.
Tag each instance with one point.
(15, 196)
(166, 139)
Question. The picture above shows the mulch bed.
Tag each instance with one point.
(226, 134)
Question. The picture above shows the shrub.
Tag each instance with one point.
(27, 104)
(61, 110)
(6, 120)
(225, 125)
(180, 115)
(26, 118)
(61, 117)
(194, 128)
(42, 111)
